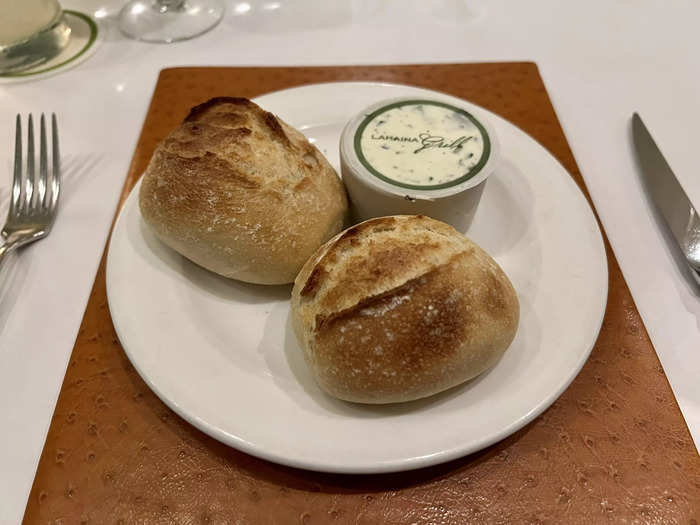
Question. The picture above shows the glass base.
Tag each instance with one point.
(36, 50)
(168, 21)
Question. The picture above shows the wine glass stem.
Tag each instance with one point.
(164, 6)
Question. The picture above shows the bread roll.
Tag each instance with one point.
(241, 193)
(399, 308)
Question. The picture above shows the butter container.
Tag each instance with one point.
(417, 156)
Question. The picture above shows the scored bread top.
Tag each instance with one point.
(242, 193)
(376, 258)
(236, 135)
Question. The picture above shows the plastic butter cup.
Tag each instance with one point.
(417, 156)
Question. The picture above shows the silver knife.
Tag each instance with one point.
(668, 195)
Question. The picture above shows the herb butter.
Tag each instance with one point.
(422, 144)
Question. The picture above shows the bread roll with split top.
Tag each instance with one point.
(399, 308)
(241, 193)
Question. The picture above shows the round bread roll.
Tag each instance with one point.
(241, 193)
(399, 308)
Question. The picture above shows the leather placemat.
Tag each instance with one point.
(614, 447)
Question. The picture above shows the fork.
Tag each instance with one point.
(34, 203)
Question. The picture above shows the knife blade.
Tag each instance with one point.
(668, 195)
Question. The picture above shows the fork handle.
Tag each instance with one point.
(5, 249)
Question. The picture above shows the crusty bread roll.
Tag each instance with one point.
(399, 308)
(241, 193)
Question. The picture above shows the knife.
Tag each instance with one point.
(668, 195)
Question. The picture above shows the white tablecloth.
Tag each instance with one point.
(600, 62)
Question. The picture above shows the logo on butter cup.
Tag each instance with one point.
(426, 141)
(422, 144)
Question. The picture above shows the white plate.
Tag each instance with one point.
(222, 355)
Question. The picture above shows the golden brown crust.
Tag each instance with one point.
(276, 129)
(241, 193)
(377, 302)
(200, 109)
(400, 308)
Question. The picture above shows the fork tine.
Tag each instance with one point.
(56, 161)
(29, 182)
(17, 175)
(43, 167)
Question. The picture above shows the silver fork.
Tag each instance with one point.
(34, 200)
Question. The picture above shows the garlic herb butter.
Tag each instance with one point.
(422, 144)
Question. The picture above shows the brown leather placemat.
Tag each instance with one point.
(614, 447)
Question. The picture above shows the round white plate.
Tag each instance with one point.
(223, 356)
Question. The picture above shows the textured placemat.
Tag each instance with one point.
(614, 447)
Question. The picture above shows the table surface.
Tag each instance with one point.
(598, 69)
(114, 451)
